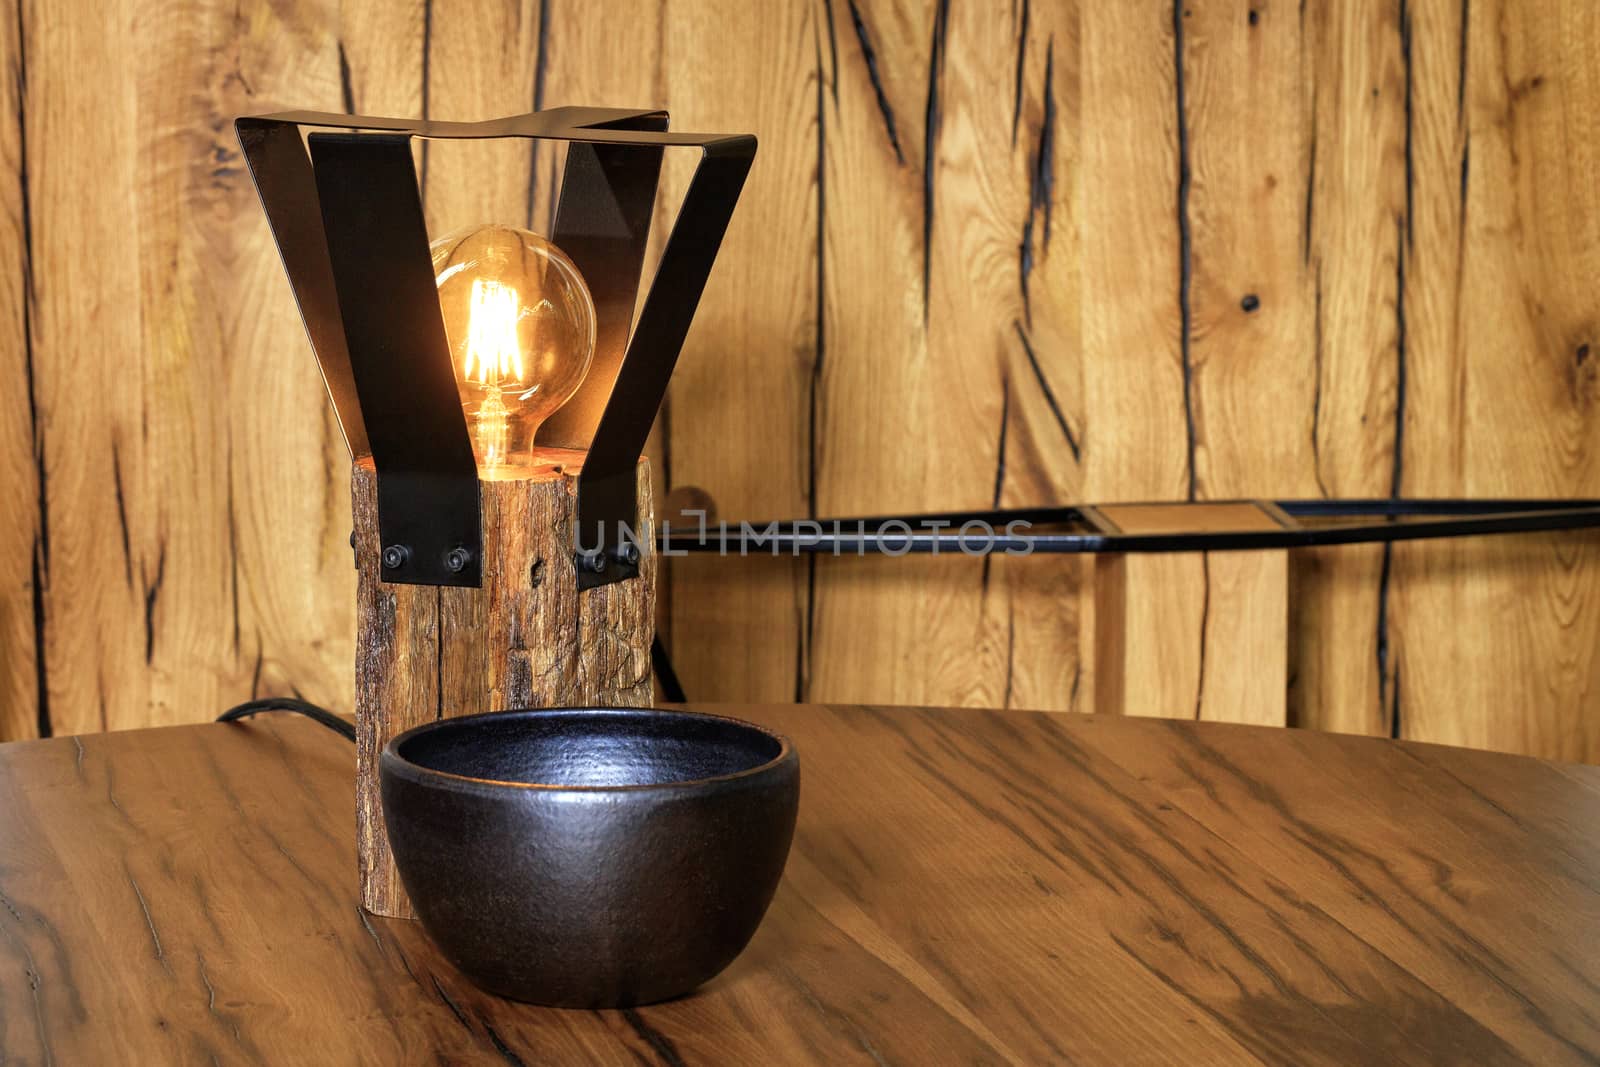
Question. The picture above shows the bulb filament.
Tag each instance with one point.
(494, 360)
(493, 355)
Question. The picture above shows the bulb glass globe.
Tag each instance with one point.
(521, 327)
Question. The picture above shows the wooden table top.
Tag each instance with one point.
(964, 886)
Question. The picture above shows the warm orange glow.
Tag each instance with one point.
(521, 328)
(493, 355)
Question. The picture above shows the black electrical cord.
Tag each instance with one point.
(299, 707)
(671, 688)
(658, 655)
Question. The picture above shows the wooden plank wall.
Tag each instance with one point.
(1013, 252)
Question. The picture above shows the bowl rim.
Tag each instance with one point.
(391, 760)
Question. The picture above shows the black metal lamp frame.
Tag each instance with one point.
(346, 213)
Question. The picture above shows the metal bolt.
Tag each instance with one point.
(627, 553)
(593, 562)
(456, 560)
(395, 556)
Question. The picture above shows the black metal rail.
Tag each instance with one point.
(1086, 528)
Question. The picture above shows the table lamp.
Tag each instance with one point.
(495, 405)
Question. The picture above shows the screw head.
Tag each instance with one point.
(456, 560)
(395, 556)
(593, 562)
(628, 553)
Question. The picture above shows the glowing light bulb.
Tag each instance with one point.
(521, 327)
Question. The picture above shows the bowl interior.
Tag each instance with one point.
(589, 748)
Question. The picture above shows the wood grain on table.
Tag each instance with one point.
(965, 886)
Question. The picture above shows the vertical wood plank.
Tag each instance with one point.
(880, 110)
(1250, 292)
(103, 573)
(1249, 328)
(1146, 656)
(966, 393)
(1041, 448)
(23, 695)
(1357, 203)
(1136, 443)
(738, 409)
(1503, 398)
(482, 62)
(1136, 370)
(244, 535)
(291, 577)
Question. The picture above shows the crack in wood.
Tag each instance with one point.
(1205, 619)
(1311, 180)
(1022, 58)
(1394, 706)
(35, 980)
(1411, 184)
(659, 1043)
(361, 913)
(449, 1002)
(1403, 240)
(1316, 393)
(122, 512)
(806, 626)
(1049, 394)
(233, 554)
(833, 50)
(40, 665)
(506, 1052)
(1041, 183)
(540, 65)
(1011, 651)
(1000, 463)
(155, 938)
(930, 146)
(205, 980)
(870, 56)
(1185, 245)
(1005, 425)
(1382, 648)
(40, 568)
(347, 94)
(427, 63)
(152, 590)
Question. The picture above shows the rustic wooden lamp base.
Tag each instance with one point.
(526, 638)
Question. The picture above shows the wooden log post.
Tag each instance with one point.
(526, 638)
(1192, 635)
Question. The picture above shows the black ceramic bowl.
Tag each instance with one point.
(589, 857)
